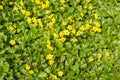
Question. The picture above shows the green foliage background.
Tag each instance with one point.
(72, 58)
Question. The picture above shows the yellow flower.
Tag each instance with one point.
(47, 11)
(30, 71)
(51, 61)
(62, 1)
(10, 3)
(50, 47)
(90, 59)
(40, 22)
(66, 32)
(78, 33)
(82, 14)
(61, 34)
(60, 73)
(70, 18)
(49, 57)
(95, 29)
(54, 76)
(90, 7)
(23, 11)
(50, 16)
(74, 39)
(90, 21)
(99, 30)
(3, 2)
(20, 7)
(99, 56)
(1, 7)
(18, 30)
(35, 24)
(48, 42)
(34, 11)
(107, 54)
(11, 28)
(15, 8)
(12, 42)
(97, 24)
(88, 1)
(29, 20)
(82, 28)
(37, 2)
(14, 26)
(51, 24)
(27, 67)
(87, 26)
(32, 1)
(27, 13)
(53, 20)
(73, 31)
(55, 35)
(64, 5)
(95, 16)
(62, 39)
(47, 3)
(64, 23)
(21, 3)
(85, 7)
(34, 19)
(69, 27)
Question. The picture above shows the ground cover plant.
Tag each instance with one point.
(59, 40)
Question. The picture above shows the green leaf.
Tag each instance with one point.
(47, 70)
(6, 67)
(42, 75)
(83, 66)
(2, 51)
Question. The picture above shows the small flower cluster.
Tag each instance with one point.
(28, 68)
(50, 58)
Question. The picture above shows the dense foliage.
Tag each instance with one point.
(59, 40)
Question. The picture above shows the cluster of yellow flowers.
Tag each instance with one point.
(88, 1)
(60, 73)
(97, 27)
(44, 5)
(35, 21)
(53, 20)
(105, 54)
(49, 45)
(62, 1)
(55, 35)
(13, 27)
(1, 7)
(27, 13)
(50, 58)
(72, 30)
(28, 68)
